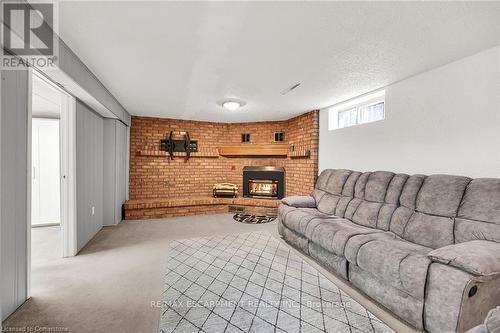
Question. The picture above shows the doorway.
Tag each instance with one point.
(45, 174)
(52, 231)
(46, 235)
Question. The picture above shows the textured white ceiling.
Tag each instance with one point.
(179, 59)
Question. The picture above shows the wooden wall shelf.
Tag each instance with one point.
(254, 150)
(158, 153)
(276, 150)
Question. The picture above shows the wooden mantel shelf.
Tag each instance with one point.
(254, 150)
(276, 150)
(208, 153)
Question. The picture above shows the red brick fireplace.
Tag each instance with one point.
(161, 187)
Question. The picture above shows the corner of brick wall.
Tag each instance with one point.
(157, 176)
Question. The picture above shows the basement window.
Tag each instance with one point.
(279, 136)
(361, 110)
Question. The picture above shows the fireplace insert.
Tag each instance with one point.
(264, 182)
(267, 188)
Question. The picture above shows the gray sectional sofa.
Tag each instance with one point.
(425, 247)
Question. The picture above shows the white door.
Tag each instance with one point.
(46, 191)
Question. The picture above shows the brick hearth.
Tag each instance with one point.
(160, 187)
(168, 207)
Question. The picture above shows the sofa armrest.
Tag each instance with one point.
(305, 201)
(478, 257)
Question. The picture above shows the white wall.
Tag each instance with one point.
(89, 173)
(446, 120)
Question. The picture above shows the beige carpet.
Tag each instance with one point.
(46, 244)
(110, 286)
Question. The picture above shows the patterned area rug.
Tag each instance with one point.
(253, 219)
(253, 283)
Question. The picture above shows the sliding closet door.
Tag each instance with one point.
(115, 170)
(121, 169)
(13, 193)
(109, 162)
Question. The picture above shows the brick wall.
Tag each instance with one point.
(158, 176)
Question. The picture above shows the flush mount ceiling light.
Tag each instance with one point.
(232, 105)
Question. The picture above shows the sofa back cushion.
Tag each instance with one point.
(441, 195)
(432, 211)
(410, 191)
(376, 198)
(428, 209)
(478, 217)
(334, 190)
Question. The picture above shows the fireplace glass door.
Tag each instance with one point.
(263, 188)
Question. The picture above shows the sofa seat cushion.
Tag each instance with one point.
(478, 257)
(301, 220)
(333, 234)
(402, 264)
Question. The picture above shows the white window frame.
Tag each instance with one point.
(358, 103)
